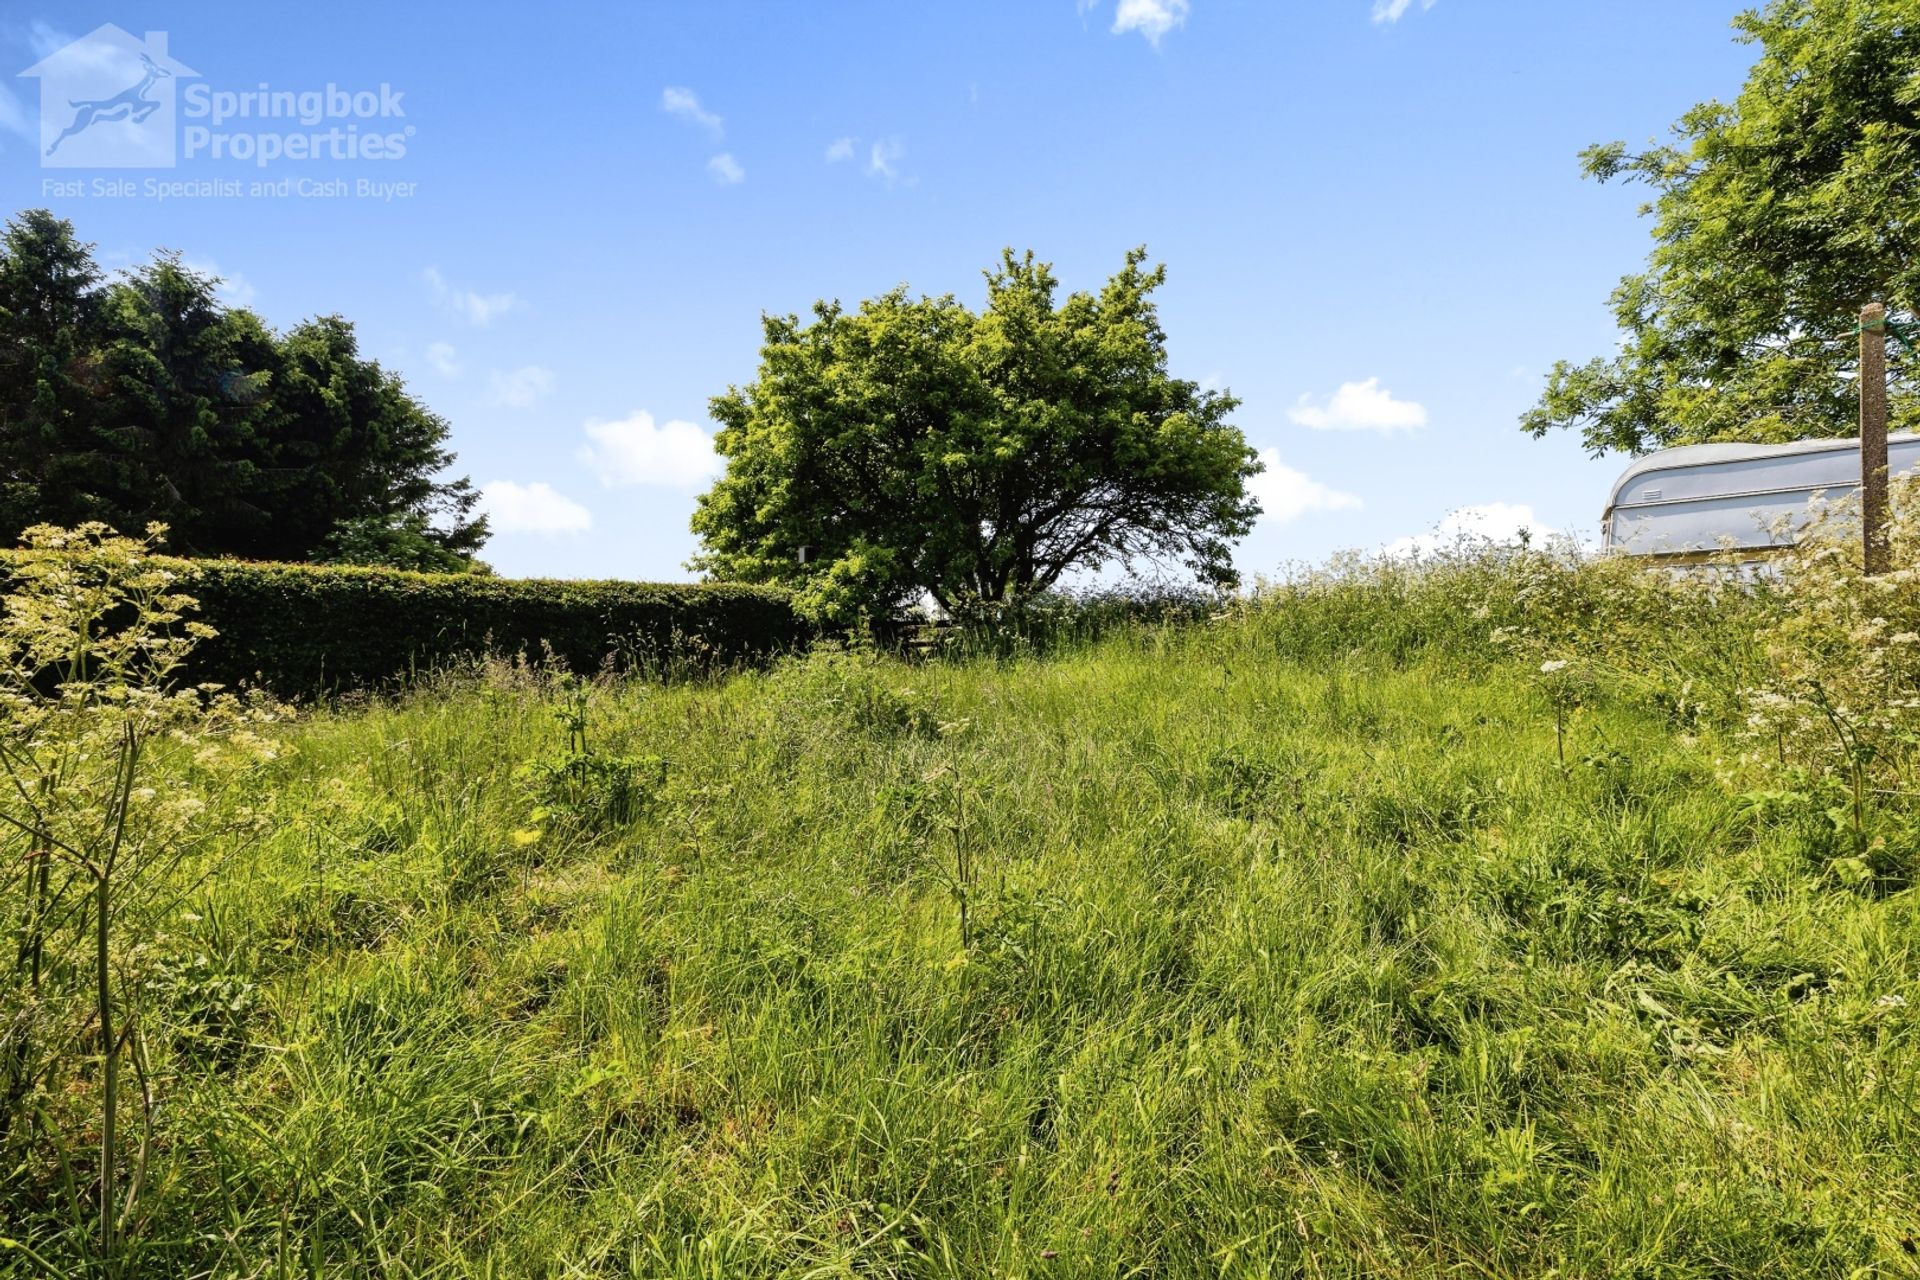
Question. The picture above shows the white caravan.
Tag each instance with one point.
(1702, 500)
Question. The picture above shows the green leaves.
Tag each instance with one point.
(1775, 219)
(145, 398)
(301, 630)
(918, 448)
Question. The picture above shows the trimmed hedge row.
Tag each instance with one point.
(299, 629)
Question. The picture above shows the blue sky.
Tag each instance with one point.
(1371, 212)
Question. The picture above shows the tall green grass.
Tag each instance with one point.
(1294, 950)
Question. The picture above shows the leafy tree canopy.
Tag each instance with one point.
(1775, 219)
(144, 398)
(914, 446)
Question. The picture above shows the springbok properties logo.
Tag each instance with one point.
(108, 101)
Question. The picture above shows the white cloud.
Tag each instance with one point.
(1496, 522)
(842, 149)
(45, 39)
(230, 287)
(1360, 406)
(684, 104)
(444, 359)
(532, 508)
(236, 289)
(1393, 10)
(632, 450)
(726, 170)
(1286, 494)
(883, 159)
(14, 117)
(477, 309)
(1151, 18)
(520, 388)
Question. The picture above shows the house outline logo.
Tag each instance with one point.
(109, 100)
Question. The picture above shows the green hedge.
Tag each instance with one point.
(299, 629)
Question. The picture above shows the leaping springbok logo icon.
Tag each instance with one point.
(131, 104)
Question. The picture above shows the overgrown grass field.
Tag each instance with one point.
(1192, 951)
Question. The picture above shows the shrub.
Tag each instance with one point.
(1836, 717)
(854, 690)
(306, 629)
(109, 771)
(586, 788)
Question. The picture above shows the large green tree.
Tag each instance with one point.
(183, 403)
(145, 397)
(914, 446)
(1775, 218)
(50, 453)
(361, 462)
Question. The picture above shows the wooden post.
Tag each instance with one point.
(1873, 437)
